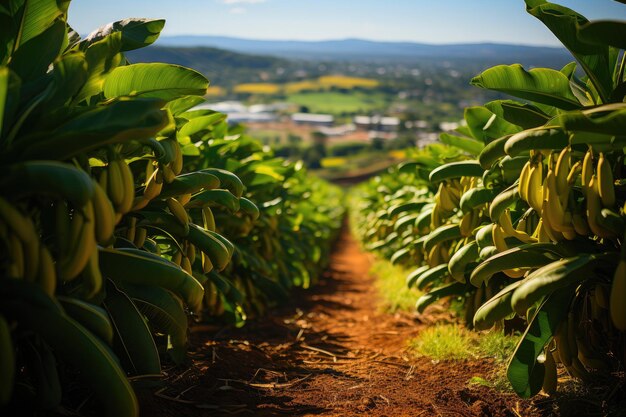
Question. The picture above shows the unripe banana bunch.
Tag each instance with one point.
(531, 182)
(28, 257)
(448, 197)
(599, 189)
(79, 233)
(117, 179)
(175, 167)
(152, 188)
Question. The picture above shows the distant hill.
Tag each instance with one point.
(358, 49)
(222, 67)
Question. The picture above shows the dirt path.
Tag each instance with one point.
(329, 353)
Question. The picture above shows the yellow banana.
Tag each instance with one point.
(178, 211)
(505, 222)
(434, 256)
(207, 265)
(587, 170)
(129, 186)
(177, 257)
(617, 301)
(606, 186)
(168, 174)
(46, 276)
(466, 224)
(523, 181)
(82, 245)
(132, 229)
(553, 234)
(550, 375)
(208, 219)
(115, 185)
(594, 205)
(140, 236)
(534, 188)
(559, 219)
(186, 265)
(498, 235)
(574, 172)
(561, 172)
(184, 199)
(191, 253)
(580, 224)
(104, 215)
(154, 185)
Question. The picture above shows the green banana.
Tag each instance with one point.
(537, 138)
(212, 244)
(91, 316)
(526, 256)
(495, 308)
(414, 275)
(432, 275)
(144, 268)
(215, 197)
(73, 344)
(190, 183)
(502, 201)
(462, 261)
(454, 288)
(476, 197)
(47, 178)
(228, 180)
(453, 170)
(552, 277)
(249, 208)
(442, 234)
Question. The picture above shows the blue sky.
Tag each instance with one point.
(430, 21)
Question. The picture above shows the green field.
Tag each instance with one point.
(338, 103)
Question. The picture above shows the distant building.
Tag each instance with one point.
(379, 134)
(226, 107)
(377, 123)
(245, 117)
(337, 130)
(312, 119)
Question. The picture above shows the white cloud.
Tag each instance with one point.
(242, 1)
(238, 10)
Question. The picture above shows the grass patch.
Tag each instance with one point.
(337, 103)
(391, 285)
(444, 341)
(454, 342)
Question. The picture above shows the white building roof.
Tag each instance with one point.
(312, 118)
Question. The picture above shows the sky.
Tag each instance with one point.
(428, 21)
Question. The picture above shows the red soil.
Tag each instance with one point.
(331, 352)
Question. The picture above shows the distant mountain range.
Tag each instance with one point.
(359, 49)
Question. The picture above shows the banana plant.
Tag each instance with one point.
(529, 222)
(126, 215)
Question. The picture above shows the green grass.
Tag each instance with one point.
(338, 103)
(444, 342)
(391, 285)
(454, 342)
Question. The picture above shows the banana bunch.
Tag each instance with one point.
(27, 257)
(118, 182)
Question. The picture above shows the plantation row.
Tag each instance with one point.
(521, 214)
(125, 215)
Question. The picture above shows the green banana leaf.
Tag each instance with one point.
(158, 80)
(564, 23)
(542, 85)
(524, 372)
